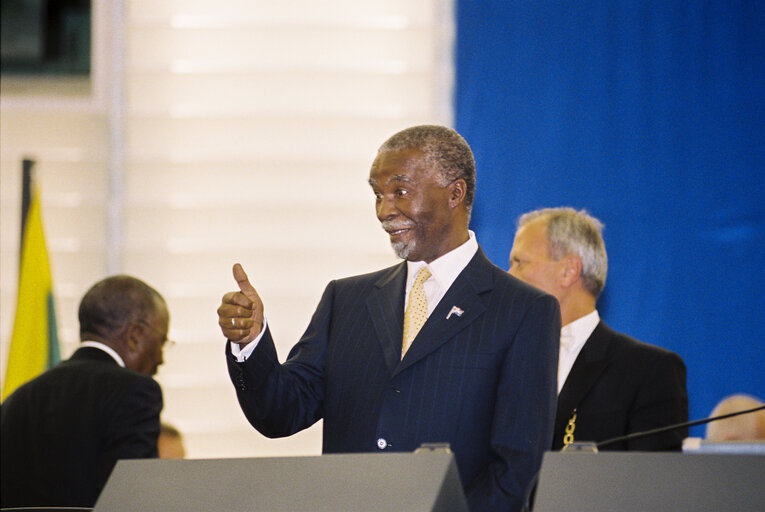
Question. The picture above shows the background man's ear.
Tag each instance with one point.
(133, 336)
(572, 269)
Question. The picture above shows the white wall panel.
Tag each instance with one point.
(282, 93)
(264, 48)
(196, 12)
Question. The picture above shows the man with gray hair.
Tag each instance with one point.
(609, 385)
(443, 347)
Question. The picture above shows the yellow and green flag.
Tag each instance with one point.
(34, 342)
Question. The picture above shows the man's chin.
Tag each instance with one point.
(402, 249)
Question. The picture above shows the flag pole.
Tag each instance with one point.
(34, 341)
(27, 168)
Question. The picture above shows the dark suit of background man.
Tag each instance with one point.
(609, 384)
(480, 374)
(63, 432)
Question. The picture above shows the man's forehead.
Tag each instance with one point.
(392, 178)
(537, 226)
(410, 157)
(402, 165)
(532, 234)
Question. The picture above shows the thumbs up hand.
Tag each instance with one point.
(240, 315)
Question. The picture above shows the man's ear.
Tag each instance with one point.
(133, 336)
(571, 270)
(457, 192)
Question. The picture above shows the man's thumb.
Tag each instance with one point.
(243, 282)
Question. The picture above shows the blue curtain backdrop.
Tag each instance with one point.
(651, 115)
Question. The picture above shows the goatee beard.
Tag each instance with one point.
(402, 249)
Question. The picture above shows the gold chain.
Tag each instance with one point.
(569, 437)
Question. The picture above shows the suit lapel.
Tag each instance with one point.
(463, 294)
(588, 366)
(386, 308)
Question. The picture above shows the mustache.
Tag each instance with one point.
(393, 225)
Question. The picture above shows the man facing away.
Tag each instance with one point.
(444, 347)
(63, 432)
(609, 384)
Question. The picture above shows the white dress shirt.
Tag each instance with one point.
(109, 350)
(444, 270)
(573, 336)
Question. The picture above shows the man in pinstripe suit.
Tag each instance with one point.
(480, 374)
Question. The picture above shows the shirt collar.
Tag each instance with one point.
(109, 350)
(576, 333)
(446, 268)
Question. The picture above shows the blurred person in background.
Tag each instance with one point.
(745, 427)
(170, 442)
(63, 432)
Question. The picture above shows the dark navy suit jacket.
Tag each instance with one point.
(63, 432)
(483, 381)
(621, 386)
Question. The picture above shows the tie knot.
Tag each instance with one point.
(422, 276)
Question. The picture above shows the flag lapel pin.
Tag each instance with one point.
(454, 311)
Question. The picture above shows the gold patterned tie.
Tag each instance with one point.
(416, 310)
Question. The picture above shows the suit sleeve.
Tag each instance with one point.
(661, 401)
(524, 411)
(279, 400)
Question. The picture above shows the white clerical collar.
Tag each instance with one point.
(446, 268)
(106, 348)
(575, 334)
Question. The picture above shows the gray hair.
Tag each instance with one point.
(444, 149)
(110, 304)
(575, 232)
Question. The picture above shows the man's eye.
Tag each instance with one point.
(401, 192)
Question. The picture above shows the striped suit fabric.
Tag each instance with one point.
(483, 381)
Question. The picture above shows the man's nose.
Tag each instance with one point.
(385, 209)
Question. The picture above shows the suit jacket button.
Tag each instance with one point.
(382, 443)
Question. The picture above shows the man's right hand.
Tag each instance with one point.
(240, 314)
